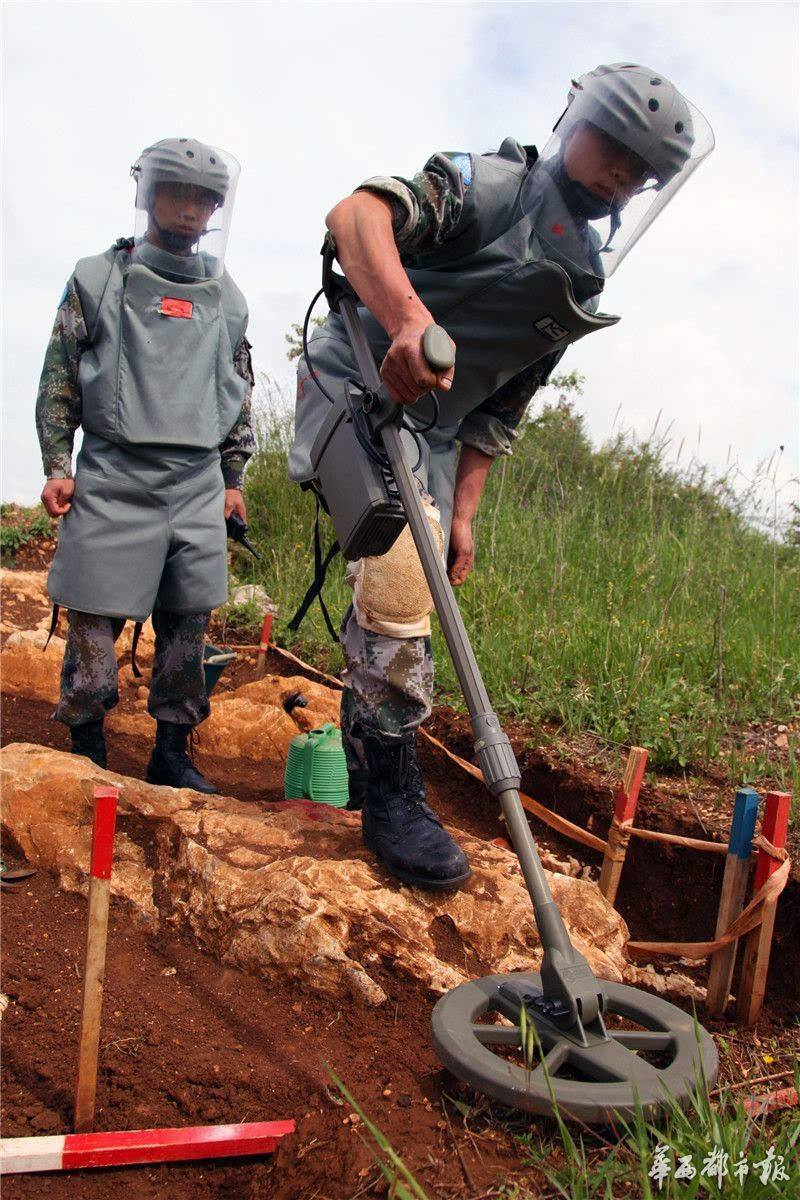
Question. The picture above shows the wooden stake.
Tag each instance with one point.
(105, 814)
(758, 943)
(624, 811)
(731, 901)
(263, 646)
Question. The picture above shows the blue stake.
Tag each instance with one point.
(731, 903)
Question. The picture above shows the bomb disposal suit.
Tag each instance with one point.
(509, 252)
(149, 356)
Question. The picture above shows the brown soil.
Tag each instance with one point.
(187, 1041)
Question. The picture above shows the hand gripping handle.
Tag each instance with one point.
(438, 349)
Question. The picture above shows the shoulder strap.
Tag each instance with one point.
(92, 276)
(53, 623)
(137, 629)
(234, 307)
(320, 570)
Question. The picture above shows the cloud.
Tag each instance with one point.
(312, 98)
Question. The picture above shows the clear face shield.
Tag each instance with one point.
(609, 169)
(185, 192)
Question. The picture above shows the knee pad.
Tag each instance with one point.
(390, 592)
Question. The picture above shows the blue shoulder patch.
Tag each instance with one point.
(464, 164)
(64, 294)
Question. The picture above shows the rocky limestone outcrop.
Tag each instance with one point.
(25, 585)
(28, 669)
(249, 722)
(289, 891)
(32, 586)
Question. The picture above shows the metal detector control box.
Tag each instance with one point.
(366, 511)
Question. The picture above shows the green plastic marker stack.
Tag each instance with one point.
(316, 768)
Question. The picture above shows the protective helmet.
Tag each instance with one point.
(591, 200)
(181, 160)
(190, 244)
(637, 107)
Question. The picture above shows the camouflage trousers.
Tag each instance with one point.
(388, 686)
(89, 677)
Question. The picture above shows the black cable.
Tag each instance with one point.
(363, 440)
(309, 363)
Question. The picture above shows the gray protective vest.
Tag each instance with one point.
(494, 291)
(159, 367)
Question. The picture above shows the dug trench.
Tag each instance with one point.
(187, 1040)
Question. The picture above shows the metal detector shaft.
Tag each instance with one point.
(495, 755)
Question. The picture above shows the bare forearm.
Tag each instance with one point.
(361, 225)
(473, 468)
(362, 229)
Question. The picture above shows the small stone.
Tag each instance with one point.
(387, 1091)
(404, 1101)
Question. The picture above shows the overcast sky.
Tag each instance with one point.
(313, 98)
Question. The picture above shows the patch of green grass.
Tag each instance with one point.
(614, 591)
(712, 1148)
(19, 526)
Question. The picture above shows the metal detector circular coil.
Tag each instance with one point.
(663, 1059)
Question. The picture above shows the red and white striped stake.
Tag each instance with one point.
(263, 646)
(624, 812)
(77, 1150)
(105, 815)
(758, 943)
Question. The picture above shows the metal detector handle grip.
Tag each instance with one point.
(439, 355)
(438, 349)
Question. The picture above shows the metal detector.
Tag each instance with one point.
(596, 1050)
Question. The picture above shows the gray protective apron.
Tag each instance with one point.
(504, 305)
(159, 394)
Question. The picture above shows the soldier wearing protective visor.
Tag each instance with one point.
(149, 356)
(509, 252)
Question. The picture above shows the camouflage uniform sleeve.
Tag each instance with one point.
(240, 443)
(428, 208)
(494, 426)
(58, 402)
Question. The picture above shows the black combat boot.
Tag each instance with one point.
(170, 763)
(357, 772)
(398, 825)
(88, 740)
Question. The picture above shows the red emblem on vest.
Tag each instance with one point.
(558, 229)
(171, 307)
